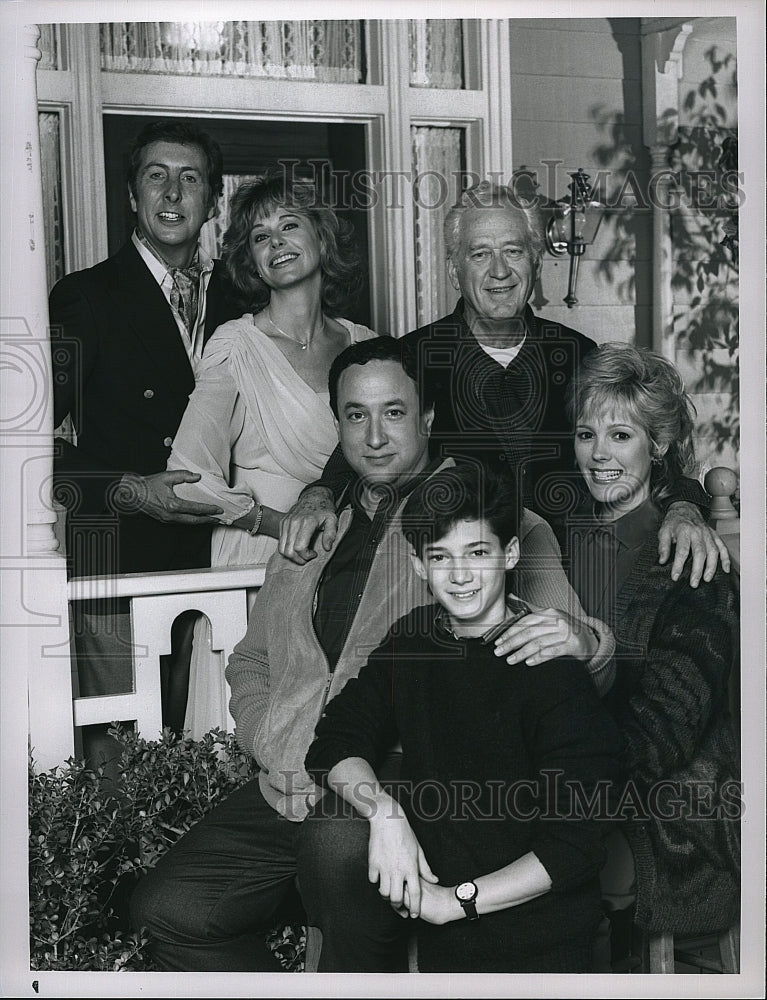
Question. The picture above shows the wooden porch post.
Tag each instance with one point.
(662, 48)
(34, 632)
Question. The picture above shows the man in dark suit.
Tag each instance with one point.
(499, 374)
(125, 336)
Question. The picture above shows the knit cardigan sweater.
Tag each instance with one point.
(675, 648)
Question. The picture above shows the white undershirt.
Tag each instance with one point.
(503, 355)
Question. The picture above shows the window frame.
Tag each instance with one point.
(387, 109)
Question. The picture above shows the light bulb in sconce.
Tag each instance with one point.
(573, 226)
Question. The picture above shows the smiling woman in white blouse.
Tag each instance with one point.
(258, 427)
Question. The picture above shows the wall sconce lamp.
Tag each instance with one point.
(573, 226)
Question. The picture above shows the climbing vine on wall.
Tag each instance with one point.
(705, 237)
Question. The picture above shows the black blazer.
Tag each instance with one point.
(121, 371)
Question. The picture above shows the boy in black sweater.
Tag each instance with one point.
(494, 840)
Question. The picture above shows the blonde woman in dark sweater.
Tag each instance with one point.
(677, 855)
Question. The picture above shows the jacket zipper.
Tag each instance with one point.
(324, 701)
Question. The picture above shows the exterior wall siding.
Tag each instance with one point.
(576, 99)
(577, 102)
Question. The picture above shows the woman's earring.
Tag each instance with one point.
(656, 461)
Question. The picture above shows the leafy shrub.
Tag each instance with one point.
(91, 838)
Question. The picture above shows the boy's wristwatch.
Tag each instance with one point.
(466, 893)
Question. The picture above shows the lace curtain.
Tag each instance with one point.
(212, 233)
(322, 51)
(436, 52)
(436, 188)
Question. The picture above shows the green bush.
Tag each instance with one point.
(91, 838)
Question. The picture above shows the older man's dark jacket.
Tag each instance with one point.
(509, 418)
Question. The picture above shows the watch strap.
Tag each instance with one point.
(469, 906)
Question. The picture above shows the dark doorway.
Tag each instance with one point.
(314, 149)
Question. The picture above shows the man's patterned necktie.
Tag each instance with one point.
(185, 294)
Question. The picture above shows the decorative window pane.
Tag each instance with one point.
(437, 171)
(319, 51)
(50, 159)
(49, 46)
(436, 54)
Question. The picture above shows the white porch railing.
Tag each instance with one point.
(156, 600)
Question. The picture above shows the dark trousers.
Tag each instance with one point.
(360, 930)
(210, 899)
(362, 933)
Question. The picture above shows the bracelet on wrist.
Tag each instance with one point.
(259, 517)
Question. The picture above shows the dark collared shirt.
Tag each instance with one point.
(509, 418)
(346, 574)
(515, 609)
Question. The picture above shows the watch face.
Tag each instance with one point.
(466, 891)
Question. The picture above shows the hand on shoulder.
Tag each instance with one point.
(683, 526)
(312, 518)
(544, 635)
